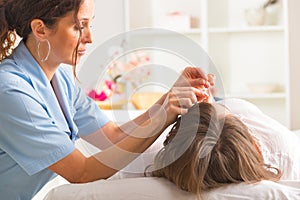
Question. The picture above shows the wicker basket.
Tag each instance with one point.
(142, 101)
(108, 105)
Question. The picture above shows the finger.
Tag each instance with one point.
(173, 106)
(179, 110)
(192, 76)
(201, 94)
(194, 94)
(184, 99)
(201, 91)
(195, 72)
(185, 103)
(211, 79)
(188, 92)
(180, 107)
(202, 99)
(199, 82)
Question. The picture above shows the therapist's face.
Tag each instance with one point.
(66, 36)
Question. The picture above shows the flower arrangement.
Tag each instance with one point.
(130, 70)
(122, 70)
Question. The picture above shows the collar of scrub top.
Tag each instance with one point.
(43, 87)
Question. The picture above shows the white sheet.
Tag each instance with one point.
(125, 185)
(280, 147)
(158, 188)
(161, 189)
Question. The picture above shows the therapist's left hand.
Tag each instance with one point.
(197, 79)
(195, 76)
(186, 91)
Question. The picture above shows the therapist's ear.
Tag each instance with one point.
(39, 29)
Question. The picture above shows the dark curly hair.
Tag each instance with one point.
(16, 17)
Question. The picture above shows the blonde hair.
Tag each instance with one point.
(215, 151)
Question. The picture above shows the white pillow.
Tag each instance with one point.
(146, 188)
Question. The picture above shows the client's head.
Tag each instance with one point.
(208, 148)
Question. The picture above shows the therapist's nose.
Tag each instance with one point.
(87, 36)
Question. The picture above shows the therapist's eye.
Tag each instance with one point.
(82, 26)
(86, 25)
(78, 27)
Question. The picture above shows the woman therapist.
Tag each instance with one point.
(42, 111)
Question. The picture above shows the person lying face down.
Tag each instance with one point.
(208, 148)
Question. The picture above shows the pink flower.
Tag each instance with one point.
(98, 97)
(120, 70)
(110, 85)
(107, 91)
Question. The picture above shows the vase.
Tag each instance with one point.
(121, 88)
(273, 13)
(255, 16)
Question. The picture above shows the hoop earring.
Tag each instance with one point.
(48, 53)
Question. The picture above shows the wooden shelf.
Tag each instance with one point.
(246, 54)
(258, 96)
(254, 29)
(192, 31)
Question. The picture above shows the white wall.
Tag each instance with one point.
(294, 58)
(108, 22)
(110, 18)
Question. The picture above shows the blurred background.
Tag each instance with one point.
(253, 45)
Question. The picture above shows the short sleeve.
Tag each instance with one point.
(88, 116)
(28, 134)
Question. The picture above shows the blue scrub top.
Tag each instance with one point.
(34, 131)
